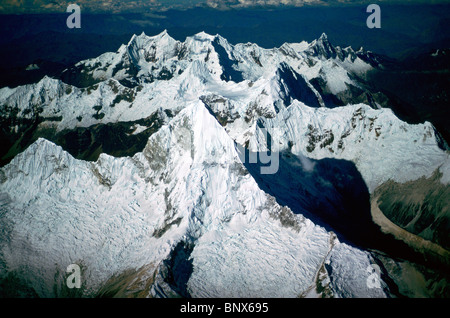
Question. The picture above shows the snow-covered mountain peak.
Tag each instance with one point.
(322, 47)
(239, 83)
(323, 37)
(144, 50)
(146, 59)
(144, 37)
(199, 139)
(322, 41)
(202, 35)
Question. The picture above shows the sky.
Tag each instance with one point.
(121, 6)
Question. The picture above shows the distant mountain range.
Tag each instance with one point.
(33, 46)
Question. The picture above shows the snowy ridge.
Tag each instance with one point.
(381, 146)
(155, 68)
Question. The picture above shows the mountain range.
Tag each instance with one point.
(136, 166)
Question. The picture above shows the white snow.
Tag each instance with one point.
(195, 65)
(137, 129)
(104, 215)
(380, 145)
(352, 267)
